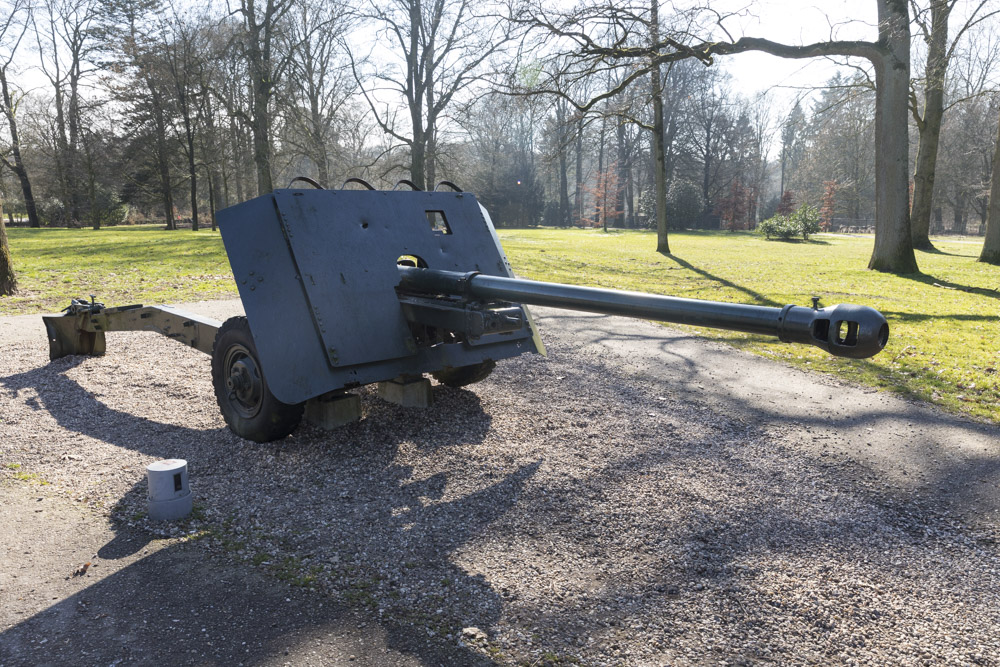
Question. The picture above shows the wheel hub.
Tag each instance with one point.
(244, 381)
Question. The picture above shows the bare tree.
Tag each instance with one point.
(181, 48)
(840, 134)
(562, 132)
(659, 153)
(262, 23)
(320, 84)
(133, 28)
(65, 33)
(613, 43)
(933, 26)
(12, 32)
(444, 45)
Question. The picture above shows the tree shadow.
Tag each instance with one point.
(934, 250)
(928, 279)
(76, 409)
(662, 525)
(756, 296)
(724, 529)
(368, 516)
(176, 606)
(922, 317)
(811, 241)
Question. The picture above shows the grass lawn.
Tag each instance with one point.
(121, 265)
(944, 342)
(944, 345)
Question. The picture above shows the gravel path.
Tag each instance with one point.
(638, 497)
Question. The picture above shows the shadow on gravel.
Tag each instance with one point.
(177, 607)
(666, 523)
(722, 533)
(365, 518)
(76, 409)
(921, 434)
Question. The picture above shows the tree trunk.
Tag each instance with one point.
(234, 138)
(417, 154)
(929, 126)
(958, 220)
(564, 211)
(562, 138)
(706, 168)
(193, 176)
(15, 147)
(95, 212)
(192, 166)
(659, 161)
(630, 199)
(893, 251)
(414, 86)
(259, 61)
(578, 199)
(991, 244)
(162, 161)
(621, 177)
(262, 137)
(211, 198)
(430, 155)
(63, 175)
(8, 281)
(317, 125)
(74, 138)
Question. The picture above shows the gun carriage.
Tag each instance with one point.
(344, 288)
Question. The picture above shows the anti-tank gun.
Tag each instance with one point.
(344, 288)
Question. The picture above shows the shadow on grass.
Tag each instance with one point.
(800, 241)
(937, 251)
(756, 296)
(928, 279)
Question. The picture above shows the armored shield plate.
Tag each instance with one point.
(316, 270)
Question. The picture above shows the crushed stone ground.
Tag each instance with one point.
(566, 509)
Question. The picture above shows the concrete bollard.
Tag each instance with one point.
(169, 494)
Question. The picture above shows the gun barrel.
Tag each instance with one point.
(844, 330)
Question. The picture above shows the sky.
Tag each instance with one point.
(792, 22)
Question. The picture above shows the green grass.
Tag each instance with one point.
(944, 344)
(121, 265)
(945, 321)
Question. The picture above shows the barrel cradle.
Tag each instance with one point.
(343, 288)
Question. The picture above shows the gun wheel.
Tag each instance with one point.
(464, 375)
(247, 405)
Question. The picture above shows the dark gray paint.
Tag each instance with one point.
(316, 271)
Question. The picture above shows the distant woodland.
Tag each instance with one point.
(119, 111)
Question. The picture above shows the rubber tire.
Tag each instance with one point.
(274, 419)
(464, 375)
